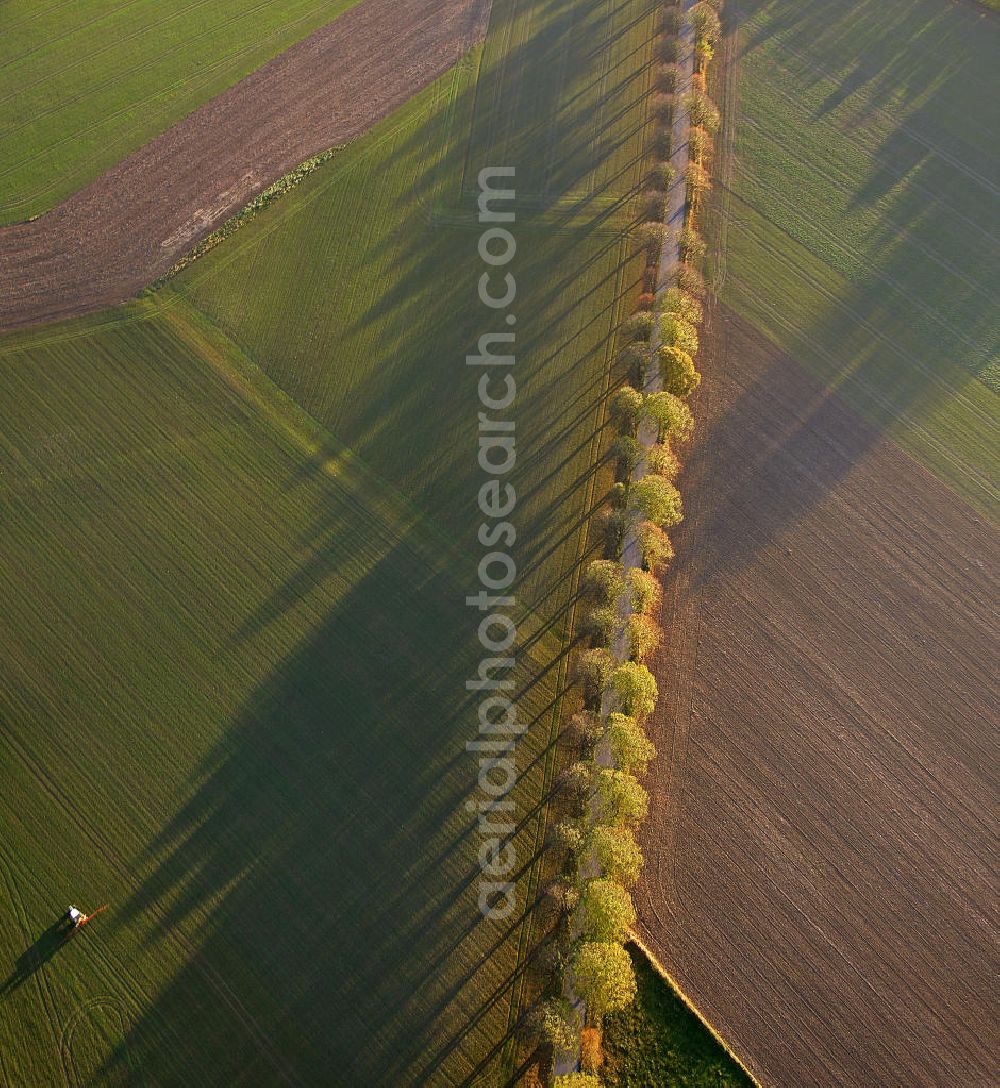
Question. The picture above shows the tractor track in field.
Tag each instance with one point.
(110, 240)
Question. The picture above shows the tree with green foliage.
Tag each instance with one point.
(626, 409)
(635, 687)
(698, 182)
(593, 669)
(642, 636)
(575, 781)
(605, 912)
(705, 22)
(578, 1080)
(640, 325)
(654, 545)
(678, 333)
(565, 836)
(627, 452)
(662, 461)
(603, 976)
(644, 591)
(677, 371)
(614, 525)
(698, 143)
(631, 748)
(658, 500)
(600, 623)
(662, 175)
(671, 415)
(689, 279)
(623, 800)
(585, 727)
(604, 580)
(691, 244)
(555, 1022)
(616, 851)
(704, 112)
(676, 301)
(668, 76)
(651, 235)
(636, 356)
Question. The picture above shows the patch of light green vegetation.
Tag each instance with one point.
(83, 83)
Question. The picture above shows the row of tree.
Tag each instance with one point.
(605, 804)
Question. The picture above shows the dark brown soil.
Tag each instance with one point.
(114, 237)
(820, 857)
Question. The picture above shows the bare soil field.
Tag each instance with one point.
(820, 859)
(107, 242)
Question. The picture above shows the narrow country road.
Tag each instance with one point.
(121, 232)
(569, 1062)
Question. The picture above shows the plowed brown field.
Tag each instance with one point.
(820, 857)
(118, 234)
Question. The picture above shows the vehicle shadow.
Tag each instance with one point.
(56, 937)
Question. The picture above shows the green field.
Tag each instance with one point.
(861, 214)
(83, 83)
(240, 525)
(658, 1041)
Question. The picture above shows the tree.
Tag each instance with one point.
(565, 836)
(639, 326)
(698, 181)
(577, 1080)
(626, 409)
(605, 912)
(644, 591)
(654, 203)
(631, 748)
(635, 687)
(658, 500)
(604, 977)
(575, 781)
(704, 112)
(637, 357)
(618, 495)
(654, 544)
(604, 580)
(642, 636)
(671, 415)
(689, 279)
(705, 20)
(661, 106)
(663, 174)
(593, 668)
(627, 453)
(651, 234)
(698, 142)
(554, 1022)
(615, 524)
(703, 53)
(601, 623)
(677, 371)
(676, 301)
(623, 800)
(662, 461)
(561, 896)
(678, 333)
(668, 76)
(616, 851)
(692, 245)
(585, 727)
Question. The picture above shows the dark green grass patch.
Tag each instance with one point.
(659, 1042)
